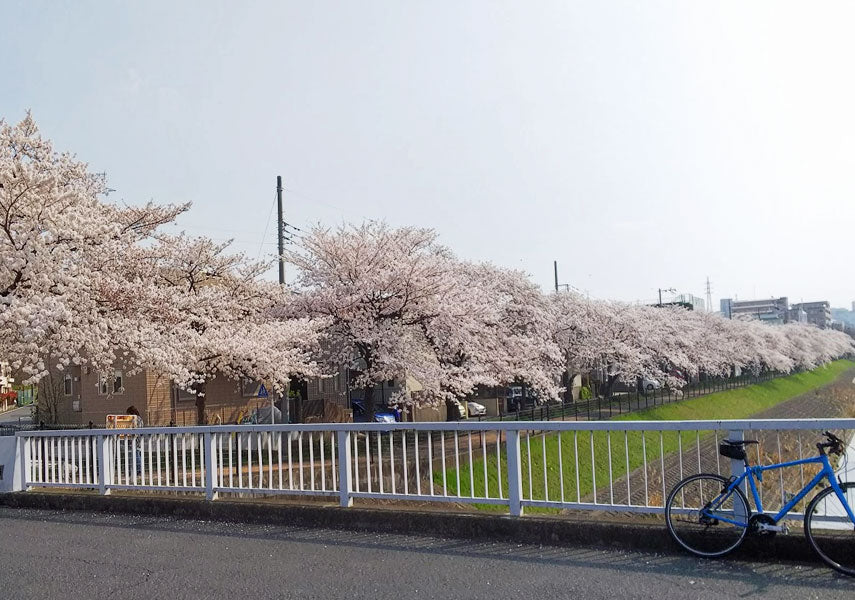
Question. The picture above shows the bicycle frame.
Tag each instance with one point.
(756, 471)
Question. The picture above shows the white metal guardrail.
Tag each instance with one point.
(595, 465)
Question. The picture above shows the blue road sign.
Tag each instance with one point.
(262, 391)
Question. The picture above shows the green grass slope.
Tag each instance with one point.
(623, 452)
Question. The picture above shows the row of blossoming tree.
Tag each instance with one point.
(87, 281)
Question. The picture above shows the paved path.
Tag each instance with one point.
(12, 416)
(93, 556)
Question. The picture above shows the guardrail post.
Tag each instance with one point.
(514, 472)
(210, 495)
(737, 467)
(26, 462)
(344, 475)
(105, 464)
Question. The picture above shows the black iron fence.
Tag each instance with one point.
(598, 409)
(11, 428)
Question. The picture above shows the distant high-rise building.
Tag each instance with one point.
(818, 313)
(853, 306)
(773, 310)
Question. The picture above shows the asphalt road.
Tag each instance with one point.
(86, 555)
(13, 416)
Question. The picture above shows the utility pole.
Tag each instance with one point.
(709, 295)
(280, 229)
(280, 226)
(555, 264)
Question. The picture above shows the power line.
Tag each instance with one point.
(266, 226)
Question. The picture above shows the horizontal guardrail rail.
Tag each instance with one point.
(626, 466)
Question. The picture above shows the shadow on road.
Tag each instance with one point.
(759, 575)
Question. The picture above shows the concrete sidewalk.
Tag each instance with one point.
(71, 555)
(587, 529)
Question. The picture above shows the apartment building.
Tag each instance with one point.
(772, 310)
(818, 313)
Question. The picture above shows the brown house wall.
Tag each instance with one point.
(153, 396)
(94, 406)
(224, 403)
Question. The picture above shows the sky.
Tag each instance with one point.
(642, 145)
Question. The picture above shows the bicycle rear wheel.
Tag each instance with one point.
(706, 534)
(829, 530)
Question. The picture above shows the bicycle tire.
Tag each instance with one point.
(842, 543)
(717, 483)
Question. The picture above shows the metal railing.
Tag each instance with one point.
(627, 466)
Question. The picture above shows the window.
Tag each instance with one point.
(320, 386)
(67, 386)
(108, 384)
(184, 395)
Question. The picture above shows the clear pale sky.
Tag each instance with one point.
(640, 144)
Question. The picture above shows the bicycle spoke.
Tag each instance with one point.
(697, 513)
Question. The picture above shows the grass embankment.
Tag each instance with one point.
(731, 404)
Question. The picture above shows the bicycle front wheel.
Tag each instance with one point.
(697, 514)
(829, 530)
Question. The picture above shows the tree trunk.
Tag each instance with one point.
(298, 406)
(569, 378)
(452, 412)
(369, 403)
(610, 386)
(201, 417)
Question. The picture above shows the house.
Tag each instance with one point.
(79, 395)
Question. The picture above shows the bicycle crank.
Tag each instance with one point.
(764, 525)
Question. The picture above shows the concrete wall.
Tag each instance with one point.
(12, 480)
(429, 414)
(493, 405)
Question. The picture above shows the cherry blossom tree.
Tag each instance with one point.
(54, 231)
(207, 313)
(492, 328)
(83, 280)
(672, 344)
(378, 286)
(525, 349)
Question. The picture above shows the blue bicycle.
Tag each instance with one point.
(709, 515)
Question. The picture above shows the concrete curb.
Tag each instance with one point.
(524, 530)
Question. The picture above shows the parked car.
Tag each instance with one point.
(517, 401)
(476, 410)
(382, 414)
(650, 385)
